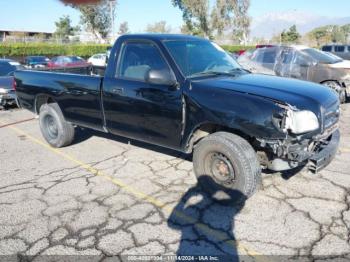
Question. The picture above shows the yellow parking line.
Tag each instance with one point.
(221, 236)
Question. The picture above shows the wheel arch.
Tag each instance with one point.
(204, 129)
(330, 80)
(42, 99)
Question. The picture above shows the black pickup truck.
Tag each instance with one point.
(188, 94)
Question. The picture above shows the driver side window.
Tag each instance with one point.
(138, 58)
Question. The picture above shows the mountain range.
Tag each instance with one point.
(274, 23)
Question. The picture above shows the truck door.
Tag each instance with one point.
(137, 109)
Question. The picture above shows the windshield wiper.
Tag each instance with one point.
(218, 73)
(238, 69)
(206, 73)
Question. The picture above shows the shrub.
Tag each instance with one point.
(83, 50)
(236, 48)
(26, 49)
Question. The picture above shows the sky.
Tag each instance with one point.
(40, 15)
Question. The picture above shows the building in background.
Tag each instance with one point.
(23, 36)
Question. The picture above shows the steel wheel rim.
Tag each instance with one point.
(51, 127)
(221, 168)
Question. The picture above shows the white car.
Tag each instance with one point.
(98, 60)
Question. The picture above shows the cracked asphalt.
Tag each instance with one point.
(104, 196)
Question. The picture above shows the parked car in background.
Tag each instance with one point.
(246, 61)
(302, 62)
(342, 51)
(264, 46)
(67, 61)
(98, 60)
(36, 61)
(7, 83)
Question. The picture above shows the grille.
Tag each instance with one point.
(331, 116)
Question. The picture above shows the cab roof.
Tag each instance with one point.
(161, 37)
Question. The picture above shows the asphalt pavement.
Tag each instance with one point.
(104, 196)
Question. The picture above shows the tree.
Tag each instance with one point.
(224, 14)
(195, 15)
(241, 24)
(123, 28)
(97, 18)
(346, 30)
(329, 33)
(290, 36)
(64, 28)
(158, 27)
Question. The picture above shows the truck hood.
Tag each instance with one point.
(345, 64)
(301, 94)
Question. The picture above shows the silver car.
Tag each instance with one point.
(301, 62)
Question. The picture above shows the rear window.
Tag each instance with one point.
(339, 48)
(327, 48)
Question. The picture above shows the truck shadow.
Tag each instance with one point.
(83, 134)
(206, 222)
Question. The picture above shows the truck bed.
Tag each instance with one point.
(80, 70)
(79, 96)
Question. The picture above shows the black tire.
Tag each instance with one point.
(237, 155)
(54, 128)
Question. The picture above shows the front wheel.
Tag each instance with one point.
(54, 128)
(226, 162)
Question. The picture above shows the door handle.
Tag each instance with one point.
(118, 90)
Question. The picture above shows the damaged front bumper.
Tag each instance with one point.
(325, 154)
(323, 151)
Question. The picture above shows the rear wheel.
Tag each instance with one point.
(337, 88)
(227, 166)
(54, 128)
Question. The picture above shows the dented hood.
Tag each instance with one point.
(302, 94)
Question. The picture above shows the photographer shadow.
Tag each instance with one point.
(206, 220)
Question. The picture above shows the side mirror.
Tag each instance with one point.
(161, 77)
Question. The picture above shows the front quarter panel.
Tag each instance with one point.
(249, 114)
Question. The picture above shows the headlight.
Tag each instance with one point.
(299, 122)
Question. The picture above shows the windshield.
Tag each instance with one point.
(200, 56)
(322, 57)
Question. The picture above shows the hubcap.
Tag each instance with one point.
(222, 169)
(51, 127)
